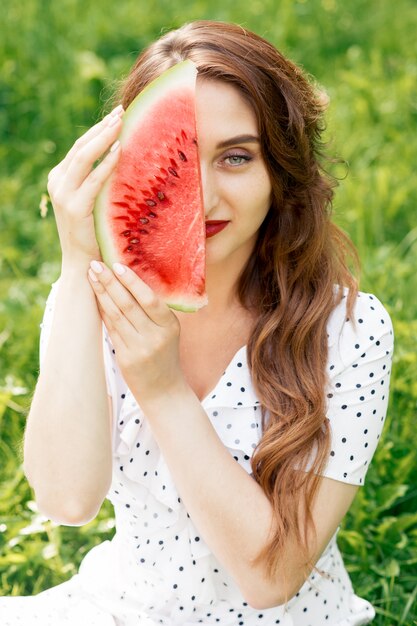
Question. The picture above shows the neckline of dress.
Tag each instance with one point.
(209, 395)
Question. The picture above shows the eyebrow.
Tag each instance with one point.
(236, 140)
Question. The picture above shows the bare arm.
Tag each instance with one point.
(67, 442)
(67, 448)
(228, 507)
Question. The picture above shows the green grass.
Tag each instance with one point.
(59, 63)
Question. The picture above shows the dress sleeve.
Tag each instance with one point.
(359, 368)
(46, 323)
(116, 387)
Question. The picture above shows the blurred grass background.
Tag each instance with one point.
(59, 63)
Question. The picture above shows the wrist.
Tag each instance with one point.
(77, 264)
(177, 397)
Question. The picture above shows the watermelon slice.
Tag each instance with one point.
(149, 215)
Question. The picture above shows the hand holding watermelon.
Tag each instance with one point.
(143, 330)
(74, 184)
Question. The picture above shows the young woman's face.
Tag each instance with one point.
(236, 185)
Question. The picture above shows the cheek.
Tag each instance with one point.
(261, 200)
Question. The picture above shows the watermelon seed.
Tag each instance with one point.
(143, 231)
(134, 240)
(126, 233)
(183, 134)
(150, 202)
(129, 249)
(182, 155)
(160, 195)
(160, 180)
(195, 140)
(173, 172)
(173, 163)
(152, 214)
(144, 220)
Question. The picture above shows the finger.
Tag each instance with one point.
(91, 133)
(57, 173)
(116, 339)
(98, 176)
(116, 320)
(85, 157)
(154, 307)
(121, 297)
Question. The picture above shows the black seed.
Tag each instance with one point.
(144, 220)
(129, 248)
(182, 155)
(172, 171)
(126, 233)
(152, 214)
(160, 195)
(150, 202)
(195, 140)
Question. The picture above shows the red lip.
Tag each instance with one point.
(215, 226)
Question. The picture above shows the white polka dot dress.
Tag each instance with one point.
(157, 569)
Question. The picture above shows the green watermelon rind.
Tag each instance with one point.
(183, 73)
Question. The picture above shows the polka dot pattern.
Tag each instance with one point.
(157, 569)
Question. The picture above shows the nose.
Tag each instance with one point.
(209, 188)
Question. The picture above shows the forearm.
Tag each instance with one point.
(227, 506)
(67, 448)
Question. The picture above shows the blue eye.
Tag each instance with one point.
(237, 159)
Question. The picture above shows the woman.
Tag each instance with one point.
(238, 435)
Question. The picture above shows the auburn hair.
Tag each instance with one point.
(298, 271)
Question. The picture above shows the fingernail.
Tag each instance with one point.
(118, 268)
(117, 110)
(115, 146)
(114, 119)
(92, 276)
(96, 267)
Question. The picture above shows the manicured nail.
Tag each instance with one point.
(92, 276)
(117, 110)
(115, 146)
(96, 267)
(118, 268)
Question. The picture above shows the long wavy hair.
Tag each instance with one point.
(296, 274)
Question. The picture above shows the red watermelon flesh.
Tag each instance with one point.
(150, 213)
